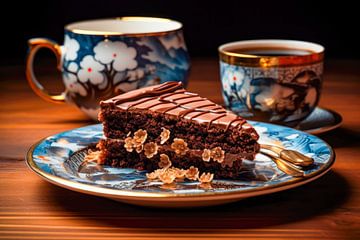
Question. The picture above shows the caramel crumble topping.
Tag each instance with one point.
(179, 173)
(218, 154)
(150, 149)
(179, 146)
(139, 148)
(164, 161)
(140, 137)
(167, 174)
(136, 142)
(167, 177)
(206, 155)
(170, 175)
(129, 144)
(206, 177)
(192, 173)
(152, 176)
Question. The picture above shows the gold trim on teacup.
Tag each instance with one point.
(253, 60)
(70, 27)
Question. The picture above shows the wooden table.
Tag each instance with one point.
(31, 208)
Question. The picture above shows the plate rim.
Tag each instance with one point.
(163, 196)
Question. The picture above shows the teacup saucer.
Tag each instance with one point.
(320, 120)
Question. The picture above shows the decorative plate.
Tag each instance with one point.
(59, 160)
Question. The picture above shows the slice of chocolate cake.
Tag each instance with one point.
(147, 127)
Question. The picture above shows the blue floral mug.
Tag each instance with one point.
(272, 80)
(106, 57)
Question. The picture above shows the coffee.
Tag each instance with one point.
(273, 52)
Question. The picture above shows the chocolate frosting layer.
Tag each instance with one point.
(171, 98)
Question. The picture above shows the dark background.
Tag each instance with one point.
(207, 24)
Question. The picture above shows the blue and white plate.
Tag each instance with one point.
(59, 160)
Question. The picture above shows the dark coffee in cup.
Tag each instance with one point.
(272, 52)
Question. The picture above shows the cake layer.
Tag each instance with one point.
(171, 100)
(114, 154)
(118, 123)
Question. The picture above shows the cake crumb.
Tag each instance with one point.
(206, 155)
(165, 135)
(206, 186)
(92, 156)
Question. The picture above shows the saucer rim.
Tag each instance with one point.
(323, 129)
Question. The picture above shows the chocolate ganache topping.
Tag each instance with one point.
(171, 98)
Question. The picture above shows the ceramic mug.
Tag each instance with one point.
(272, 80)
(103, 58)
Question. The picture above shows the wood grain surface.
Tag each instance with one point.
(30, 208)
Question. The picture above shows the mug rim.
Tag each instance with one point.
(316, 53)
(73, 27)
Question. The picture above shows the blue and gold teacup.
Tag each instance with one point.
(272, 80)
(103, 58)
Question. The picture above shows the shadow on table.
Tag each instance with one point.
(342, 137)
(84, 121)
(319, 197)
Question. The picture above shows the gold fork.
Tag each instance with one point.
(288, 161)
(288, 155)
(285, 166)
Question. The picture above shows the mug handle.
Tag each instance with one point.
(35, 44)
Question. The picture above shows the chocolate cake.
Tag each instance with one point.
(164, 124)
